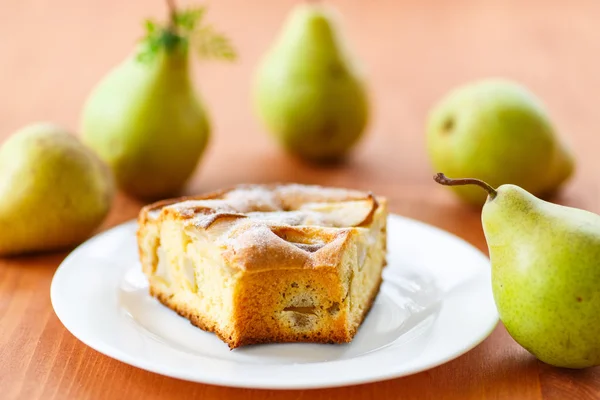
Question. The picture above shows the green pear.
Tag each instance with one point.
(309, 90)
(545, 273)
(146, 122)
(145, 118)
(54, 191)
(499, 131)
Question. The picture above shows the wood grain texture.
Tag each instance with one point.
(413, 52)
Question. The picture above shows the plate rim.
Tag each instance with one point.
(122, 356)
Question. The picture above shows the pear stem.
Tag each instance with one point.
(172, 12)
(444, 180)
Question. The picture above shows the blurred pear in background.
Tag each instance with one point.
(309, 90)
(496, 130)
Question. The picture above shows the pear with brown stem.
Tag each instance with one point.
(545, 273)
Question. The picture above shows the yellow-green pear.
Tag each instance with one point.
(145, 119)
(499, 131)
(545, 273)
(309, 90)
(54, 191)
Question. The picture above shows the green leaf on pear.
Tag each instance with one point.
(185, 29)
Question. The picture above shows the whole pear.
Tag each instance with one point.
(309, 90)
(145, 120)
(54, 191)
(499, 131)
(545, 273)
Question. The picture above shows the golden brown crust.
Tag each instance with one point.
(260, 248)
(261, 336)
(336, 334)
(290, 202)
(257, 244)
(159, 205)
(195, 318)
(370, 303)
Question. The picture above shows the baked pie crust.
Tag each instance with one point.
(263, 264)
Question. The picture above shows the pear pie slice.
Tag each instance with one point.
(262, 264)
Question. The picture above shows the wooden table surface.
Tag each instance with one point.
(53, 52)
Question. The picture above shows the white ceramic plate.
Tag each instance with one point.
(435, 304)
